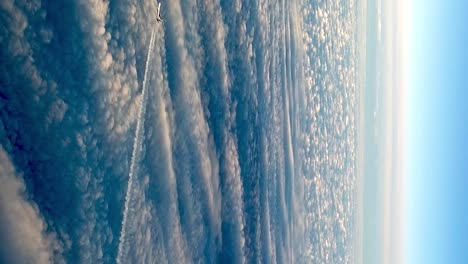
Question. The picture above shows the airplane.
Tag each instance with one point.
(159, 19)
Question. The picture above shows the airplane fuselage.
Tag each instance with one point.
(159, 19)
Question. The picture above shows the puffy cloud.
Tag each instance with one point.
(24, 236)
(328, 157)
(233, 127)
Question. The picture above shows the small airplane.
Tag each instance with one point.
(159, 19)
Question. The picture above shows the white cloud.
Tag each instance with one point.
(327, 160)
(23, 233)
(89, 98)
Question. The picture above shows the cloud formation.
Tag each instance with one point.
(328, 126)
(248, 141)
(24, 236)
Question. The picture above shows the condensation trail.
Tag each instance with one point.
(123, 244)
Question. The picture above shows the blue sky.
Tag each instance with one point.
(437, 147)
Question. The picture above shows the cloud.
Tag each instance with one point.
(198, 175)
(231, 129)
(24, 237)
(162, 191)
(327, 159)
(66, 104)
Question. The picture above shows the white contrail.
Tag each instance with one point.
(136, 149)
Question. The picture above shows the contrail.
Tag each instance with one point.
(122, 250)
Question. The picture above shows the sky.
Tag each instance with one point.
(436, 167)
(414, 130)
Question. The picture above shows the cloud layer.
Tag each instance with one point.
(248, 146)
(24, 237)
(328, 131)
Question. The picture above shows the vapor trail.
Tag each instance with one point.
(122, 250)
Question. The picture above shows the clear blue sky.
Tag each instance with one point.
(437, 133)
